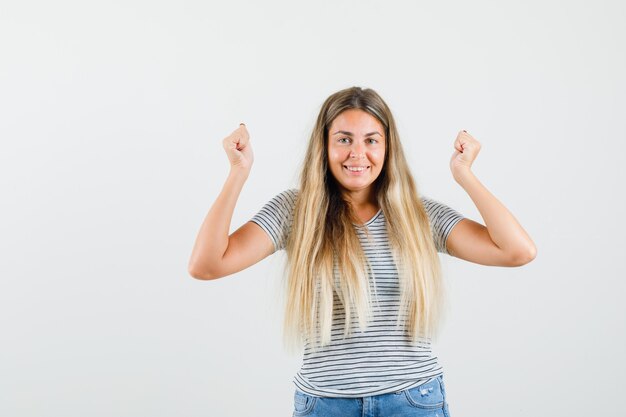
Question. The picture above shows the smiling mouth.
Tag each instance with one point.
(356, 169)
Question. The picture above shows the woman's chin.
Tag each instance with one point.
(354, 185)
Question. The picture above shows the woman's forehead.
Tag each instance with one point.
(356, 121)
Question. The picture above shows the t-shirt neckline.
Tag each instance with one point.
(370, 220)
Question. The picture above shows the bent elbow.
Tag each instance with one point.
(201, 275)
(524, 257)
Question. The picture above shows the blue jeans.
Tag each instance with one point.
(426, 400)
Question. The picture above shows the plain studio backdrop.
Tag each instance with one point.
(111, 127)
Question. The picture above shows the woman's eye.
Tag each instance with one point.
(348, 139)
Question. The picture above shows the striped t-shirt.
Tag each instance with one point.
(382, 358)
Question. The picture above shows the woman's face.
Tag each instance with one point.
(356, 149)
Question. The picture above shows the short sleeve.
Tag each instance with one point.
(442, 220)
(276, 217)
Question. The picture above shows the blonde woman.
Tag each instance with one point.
(363, 278)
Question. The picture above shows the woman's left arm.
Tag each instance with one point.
(503, 242)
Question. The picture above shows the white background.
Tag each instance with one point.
(112, 116)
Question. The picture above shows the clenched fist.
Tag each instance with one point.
(238, 149)
(466, 149)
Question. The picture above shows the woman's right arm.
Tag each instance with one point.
(215, 253)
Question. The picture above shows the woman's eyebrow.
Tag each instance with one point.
(343, 132)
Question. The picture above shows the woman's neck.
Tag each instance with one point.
(362, 199)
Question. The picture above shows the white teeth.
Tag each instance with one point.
(356, 169)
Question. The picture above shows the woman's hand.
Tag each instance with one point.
(466, 149)
(238, 149)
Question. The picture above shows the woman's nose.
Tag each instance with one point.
(356, 152)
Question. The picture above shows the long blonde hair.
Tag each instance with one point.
(323, 237)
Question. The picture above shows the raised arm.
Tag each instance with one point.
(503, 241)
(215, 253)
